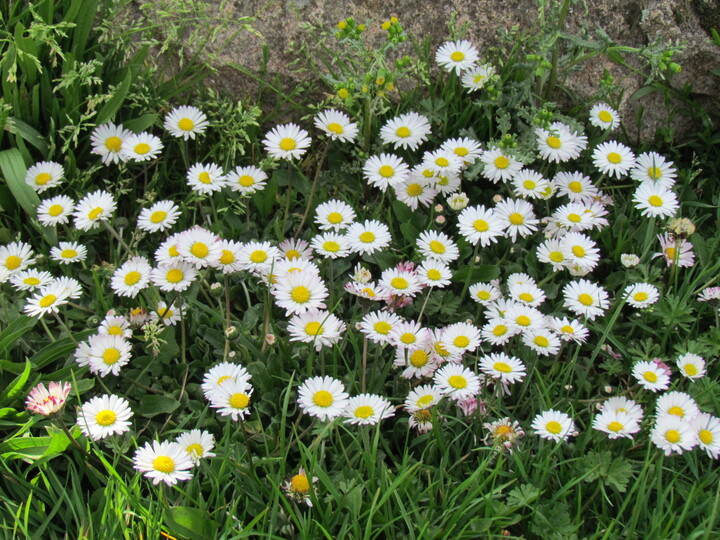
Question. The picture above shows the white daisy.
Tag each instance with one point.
(185, 122)
(569, 330)
(408, 130)
(400, 282)
(691, 365)
(131, 278)
(173, 276)
(318, 327)
(613, 159)
(15, 256)
(103, 416)
(517, 217)
(44, 175)
(672, 434)
(651, 376)
(652, 167)
(232, 398)
(480, 224)
(287, 141)
(246, 180)
(229, 259)
(68, 252)
(258, 256)
(298, 292)
(530, 184)
(415, 192)
(575, 185)
(385, 170)
(524, 318)
(484, 293)
(198, 444)
(115, 325)
(498, 331)
(199, 246)
(331, 245)
(461, 337)
(334, 215)
(160, 216)
(579, 249)
(410, 335)
(140, 147)
(475, 77)
(163, 462)
(55, 210)
(378, 326)
(456, 56)
(416, 361)
(30, 279)
(457, 382)
(367, 409)
(323, 397)
(553, 425)
(219, 374)
(654, 200)
(442, 162)
(70, 286)
(295, 249)
(92, 209)
(707, 430)
(604, 116)
(336, 125)
(422, 398)
(107, 141)
(677, 404)
(585, 298)
(527, 293)
(206, 178)
(559, 143)
(434, 273)
(47, 300)
(676, 251)
(438, 246)
(542, 341)
(108, 354)
(641, 295)
(500, 366)
(499, 165)
(467, 149)
(167, 251)
(368, 236)
(621, 404)
(616, 424)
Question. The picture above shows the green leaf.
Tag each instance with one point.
(114, 103)
(191, 522)
(479, 273)
(523, 495)
(28, 133)
(151, 405)
(601, 466)
(15, 331)
(57, 350)
(16, 386)
(142, 123)
(14, 170)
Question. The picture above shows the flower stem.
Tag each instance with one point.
(67, 330)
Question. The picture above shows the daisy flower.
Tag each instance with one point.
(652, 167)
(68, 252)
(400, 282)
(442, 162)
(434, 273)
(504, 433)
(527, 293)
(206, 179)
(415, 192)
(586, 299)
(677, 404)
(318, 327)
(173, 276)
(369, 291)
(15, 257)
(446, 183)
(421, 420)
(367, 409)
(103, 416)
(672, 434)
(368, 237)
(334, 215)
(467, 149)
(92, 209)
(258, 256)
(569, 330)
(185, 122)
(287, 141)
(523, 317)
(438, 246)
(559, 143)
(378, 325)
(167, 251)
(484, 293)
(499, 165)
(232, 398)
(47, 300)
(30, 279)
(676, 247)
(553, 425)
(408, 130)
(475, 77)
(107, 141)
(199, 246)
(246, 180)
(480, 224)
(298, 292)
(620, 404)
(707, 430)
(115, 325)
(55, 210)
(516, 217)
(47, 401)
(457, 381)
(508, 369)
(691, 365)
(385, 170)
(542, 341)
(160, 216)
(140, 147)
(197, 444)
(163, 462)
(461, 337)
(410, 334)
(284, 267)
(613, 159)
(604, 116)
(616, 424)
(654, 200)
(336, 125)
(574, 217)
(131, 278)
(69, 286)
(219, 374)
(229, 259)
(331, 245)
(322, 397)
(108, 354)
(458, 201)
(44, 175)
(422, 398)
(651, 376)
(579, 249)
(456, 56)
(709, 294)
(417, 362)
(575, 185)
(641, 295)
(292, 249)
(530, 184)
(498, 331)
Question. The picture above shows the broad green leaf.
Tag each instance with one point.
(57, 350)
(28, 133)
(16, 386)
(13, 170)
(15, 331)
(114, 103)
(137, 125)
(479, 273)
(191, 522)
(151, 405)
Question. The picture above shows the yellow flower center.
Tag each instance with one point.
(442, 162)
(434, 274)
(323, 398)
(672, 436)
(258, 256)
(502, 367)
(670, 252)
(199, 250)
(369, 292)
(364, 411)
(300, 294)
(567, 329)
(575, 218)
(501, 162)
(516, 218)
(650, 376)
(640, 296)
(457, 381)
(331, 246)
(158, 216)
(95, 213)
(12, 262)
(578, 251)
(292, 254)
(655, 201)
(142, 148)
(705, 436)
(575, 186)
(526, 297)
(457, 56)
(186, 124)
(418, 358)
(111, 355)
(691, 370)
(227, 257)
(115, 331)
(239, 400)
(461, 342)
(461, 151)
(676, 411)
(402, 131)
(386, 171)
(502, 431)
(175, 275)
(605, 116)
(614, 157)
(437, 247)
(173, 252)
(424, 400)
(68, 253)
(541, 341)
(529, 184)
(335, 217)
(113, 144)
(399, 283)
(523, 320)
(195, 450)
(299, 484)
(246, 180)
(42, 178)
(32, 281)
(106, 417)
(131, 278)
(381, 327)
(483, 295)
(500, 330)
(615, 426)
(336, 128)
(204, 177)
(47, 300)
(553, 142)
(55, 210)
(287, 144)
(408, 338)
(223, 379)
(654, 172)
(585, 299)
(414, 190)
(553, 427)
(557, 256)
(164, 464)
(480, 225)
(367, 237)
(313, 328)
(428, 173)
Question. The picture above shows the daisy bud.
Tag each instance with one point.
(216, 289)
(629, 260)
(440, 220)
(232, 354)
(497, 198)
(231, 332)
(568, 387)
(270, 339)
(438, 207)
(458, 201)
(608, 389)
